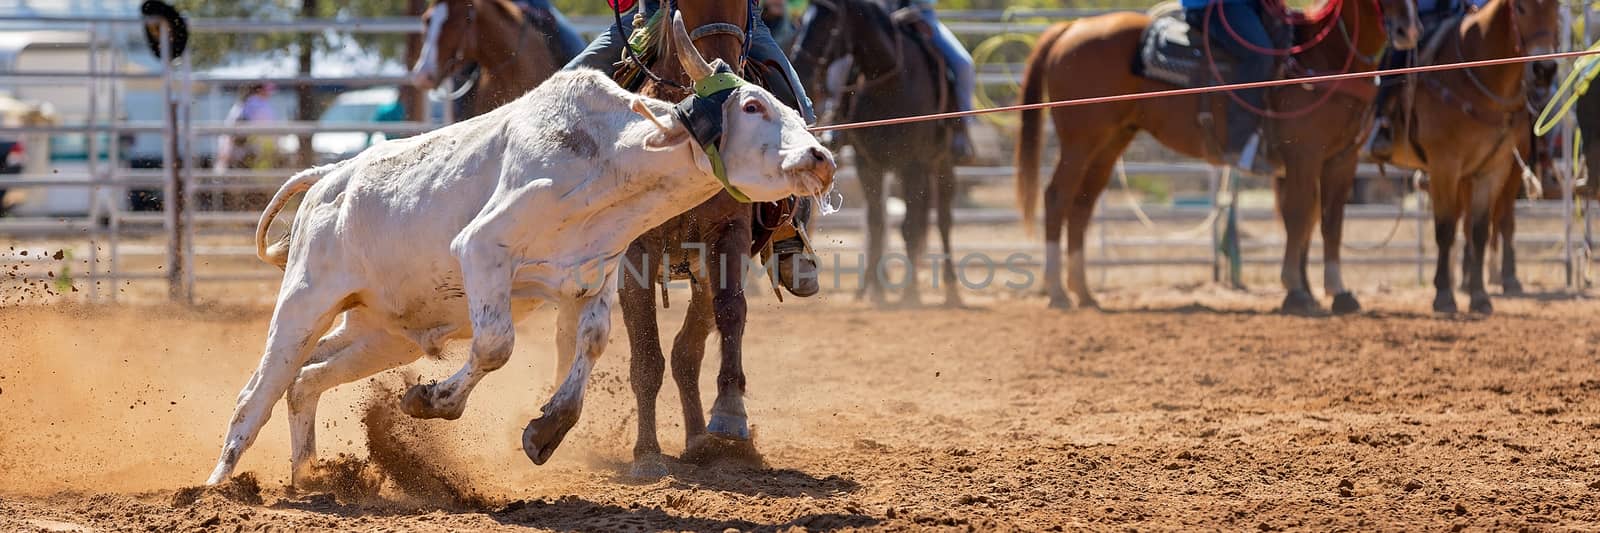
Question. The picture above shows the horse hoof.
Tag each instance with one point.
(544, 434)
(1088, 302)
(649, 468)
(728, 427)
(1444, 303)
(420, 402)
(1300, 302)
(1061, 302)
(1480, 305)
(1345, 303)
(1511, 286)
(718, 450)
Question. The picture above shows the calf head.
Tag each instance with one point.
(757, 147)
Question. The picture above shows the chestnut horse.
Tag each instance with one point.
(710, 246)
(1466, 124)
(1094, 56)
(510, 50)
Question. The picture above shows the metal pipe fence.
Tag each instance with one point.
(103, 231)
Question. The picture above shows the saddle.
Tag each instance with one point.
(1172, 51)
(908, 20)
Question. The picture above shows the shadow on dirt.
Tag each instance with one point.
(573, 513)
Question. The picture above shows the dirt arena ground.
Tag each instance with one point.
(1175, 408)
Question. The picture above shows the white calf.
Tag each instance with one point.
(454, 233)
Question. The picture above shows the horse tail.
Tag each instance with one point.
(278, 252)
(1027, 164)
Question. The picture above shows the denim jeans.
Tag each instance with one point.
(571, 42)
(1248, 66)
(606, 49)
(955, 56)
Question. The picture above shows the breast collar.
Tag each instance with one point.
(702, 114)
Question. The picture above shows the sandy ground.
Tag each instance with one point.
(1175, 408)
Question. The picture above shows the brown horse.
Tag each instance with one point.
(710, 246)
(506, 50)
(1093, 57)
(1464, 126)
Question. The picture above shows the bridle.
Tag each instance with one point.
(839, 39)
(477, 66)
(1519, 45)
(631, 55)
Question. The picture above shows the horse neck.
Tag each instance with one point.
(511, 55)
(1496, 37)
(875, 55)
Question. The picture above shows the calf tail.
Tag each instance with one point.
(278, 252)
(1027, 164)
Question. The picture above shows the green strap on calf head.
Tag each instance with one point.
(702, 112)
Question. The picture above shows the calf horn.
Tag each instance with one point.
(694, 65)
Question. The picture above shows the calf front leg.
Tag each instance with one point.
(486, 272)
(585, 323)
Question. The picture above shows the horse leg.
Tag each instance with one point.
(1338, 177)
(359, 348)
(946, 182)
(688, 350)
(728, 258)
(1442, 191)
(1057, 200)
(872, 275)
(914, 179)
(1481, 191)
(1505, 222)
(1082, 202)
(646, 364)
(1299, 206)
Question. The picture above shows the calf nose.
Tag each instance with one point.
(822, 165)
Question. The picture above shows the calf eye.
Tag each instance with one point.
(753, 107)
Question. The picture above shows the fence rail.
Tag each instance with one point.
(103, 231)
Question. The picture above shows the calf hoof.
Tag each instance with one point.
(1512, 286)
(1300, 302)
(652, 466)
(1480, 305)
(1444, 302)
(421, 401)
(952, 300)
(1060, 302)
(730, 427)
(1345, 303)
(544, 434)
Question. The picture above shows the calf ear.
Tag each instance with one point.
(671, 135)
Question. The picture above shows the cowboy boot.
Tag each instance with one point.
(961, 144)
(1381, 147)
(1246, 149)
(797, 270)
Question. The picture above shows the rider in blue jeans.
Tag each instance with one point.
(1244, 140)
(569, 38)
(959, 62)
(1430, 13)
(606, 50)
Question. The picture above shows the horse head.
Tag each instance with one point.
(446, 45)
(1534, 22)
(833, 29)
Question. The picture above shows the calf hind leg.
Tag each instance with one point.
(356, 350)
(586, 320)
(303, 313)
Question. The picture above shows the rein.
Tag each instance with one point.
(1506, 103)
